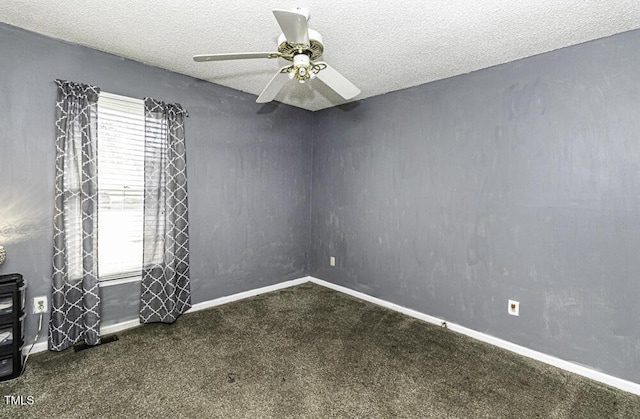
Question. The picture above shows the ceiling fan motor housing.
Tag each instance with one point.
(301, 60)
(289, 50)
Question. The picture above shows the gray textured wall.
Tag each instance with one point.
(248, 170)
(520, 181)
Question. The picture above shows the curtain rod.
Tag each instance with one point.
(119, 97)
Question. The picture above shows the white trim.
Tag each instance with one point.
(103, 283)
(38, 347)
(118, 327)
(247, 294)
(104, 330)
(113, 96)
(616, 382)
(619, 383)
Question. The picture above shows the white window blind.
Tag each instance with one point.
(120, 186)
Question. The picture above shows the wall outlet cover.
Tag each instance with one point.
(513, 308)
(40, 305)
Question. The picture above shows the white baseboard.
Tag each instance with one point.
(38, 347)
(104, 330)
(247, 294)
(118, 327)
(619, 383)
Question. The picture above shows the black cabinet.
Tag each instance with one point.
(12, 315)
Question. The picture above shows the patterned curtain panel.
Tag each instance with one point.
(75, 301)
(165, 292)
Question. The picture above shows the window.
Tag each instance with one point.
(120, 186)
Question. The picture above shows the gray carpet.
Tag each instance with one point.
(303, 352)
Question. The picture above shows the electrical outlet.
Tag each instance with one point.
(513, 308)
(332, 261)
(40, 305)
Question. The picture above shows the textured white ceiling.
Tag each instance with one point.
(381, 46)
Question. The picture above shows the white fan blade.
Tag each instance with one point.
(235, 56)
(337, 82)
(293, 25)
(274, 86)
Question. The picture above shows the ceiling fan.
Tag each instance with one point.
(297, 44)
